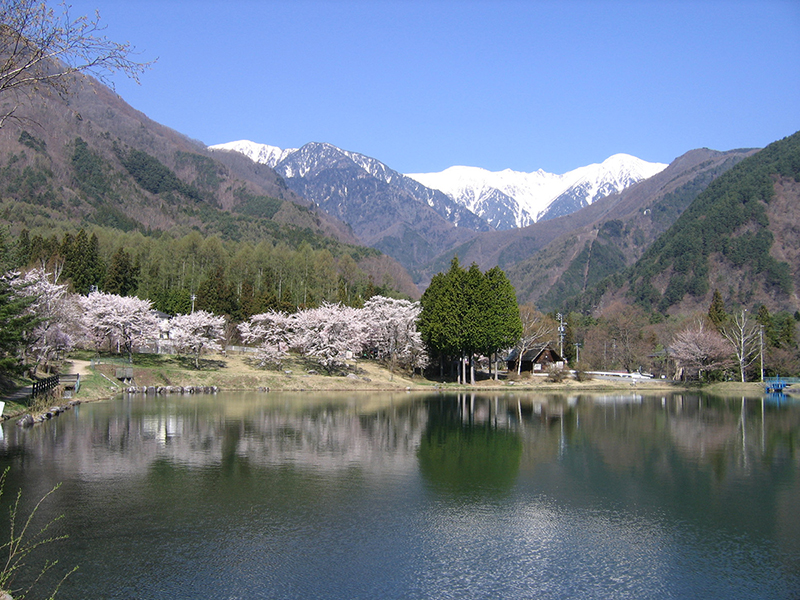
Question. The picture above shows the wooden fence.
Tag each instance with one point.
(42, 386)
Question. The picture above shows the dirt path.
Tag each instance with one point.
(81, 367)
(17, 396)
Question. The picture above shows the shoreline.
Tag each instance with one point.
(228, 373)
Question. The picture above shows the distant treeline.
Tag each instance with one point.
(237, 279)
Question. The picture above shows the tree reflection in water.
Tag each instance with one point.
(460, 454)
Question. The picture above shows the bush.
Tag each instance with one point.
(581, 374)
(556, 374)
(25, 538)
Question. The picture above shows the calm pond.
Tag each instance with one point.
(364, 496)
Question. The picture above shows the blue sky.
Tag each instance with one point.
(423, 85)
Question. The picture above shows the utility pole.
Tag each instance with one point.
(761, 349)
(577, 352)
(560, 318)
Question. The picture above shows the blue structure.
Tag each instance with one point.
(774, 385)
(778, 384)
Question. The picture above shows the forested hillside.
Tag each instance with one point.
(89, 162)
(234, 279)
(623, 229)
(536, 256)
(740, 236)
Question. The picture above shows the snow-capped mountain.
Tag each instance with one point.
(504, 199)
(509, 199)
(272, 156)
(295, 163)
(385, 209)
(260, 153)
(413, 218)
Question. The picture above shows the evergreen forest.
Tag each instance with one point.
(177, 273)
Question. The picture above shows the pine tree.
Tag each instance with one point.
(215, 295)
(122, 277)
(79, 259)
(501, 316)
(716, 312)
(476, 305)
(15, 322)
(23, 251)
(569, 339)
(82, 263)
(464, 312)
(95, 269)
(784, 326)
(765, 321)
(443, 307)
(175, 301)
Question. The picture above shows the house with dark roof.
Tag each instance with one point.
(538, 359)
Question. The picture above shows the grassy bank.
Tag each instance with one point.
(236, 372)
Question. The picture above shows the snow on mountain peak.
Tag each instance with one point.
(505, 199)
(535, 192)
(260, 153)
(625, 163)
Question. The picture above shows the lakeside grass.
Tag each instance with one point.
(237, 372)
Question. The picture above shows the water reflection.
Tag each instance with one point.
(469, 445)
(426, 496)
(457, 442)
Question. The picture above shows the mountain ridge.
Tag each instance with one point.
(517, 251)
(413, 222)
(739, 236)
(503, 199)
(287, 164)
(619, 228)
(385, 209)
(539, 195)
(89, 160)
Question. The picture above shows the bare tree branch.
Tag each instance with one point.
(743, 335)
(40, 48)
(537, 328)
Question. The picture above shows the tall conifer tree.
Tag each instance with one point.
(716, 312)
(122, 277)
(15, 322)
(503, 323)
(465, 312)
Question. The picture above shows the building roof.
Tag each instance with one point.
(532, 354)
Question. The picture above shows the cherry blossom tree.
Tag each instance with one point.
(123, 321)
(197, 332)
(391, 331)
(271, 331)
(56, 315)
(333, 333)
(700, 349)
(329, 334)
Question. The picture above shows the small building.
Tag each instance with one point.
(538, 359)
